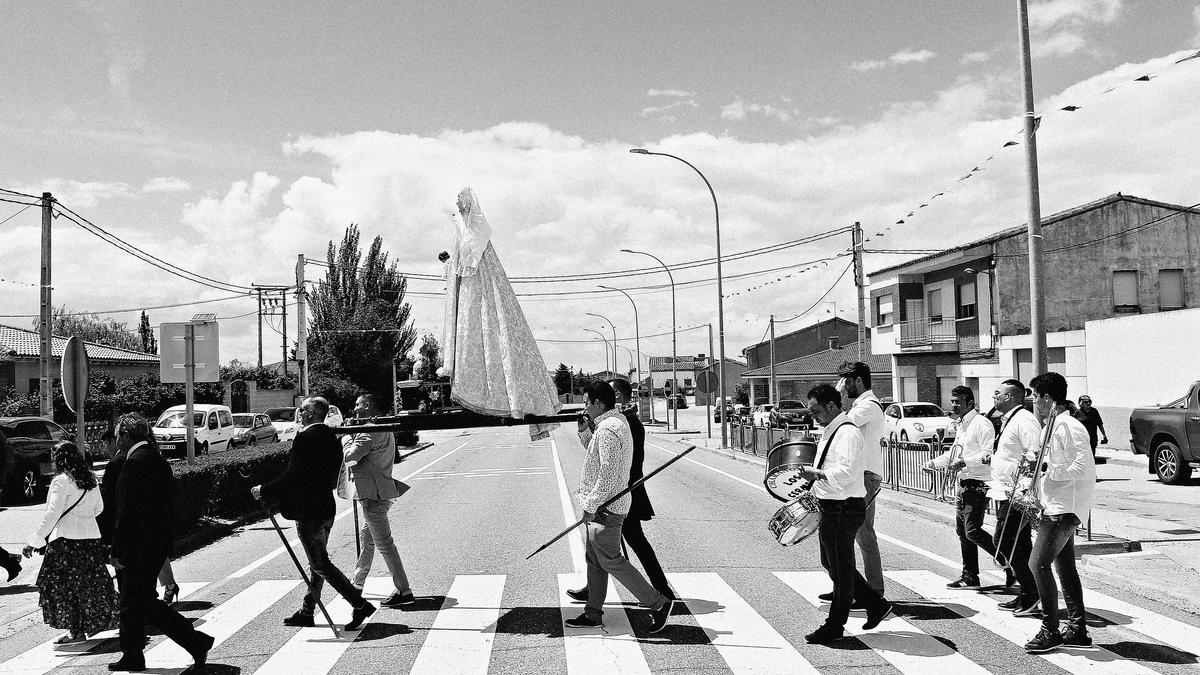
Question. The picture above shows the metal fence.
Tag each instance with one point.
(759, 441)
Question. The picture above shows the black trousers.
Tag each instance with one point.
(635, 539)
(840, 521)
(140, 605)
(968, 522)
(1014, 545)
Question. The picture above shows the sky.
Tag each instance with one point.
(228, 138)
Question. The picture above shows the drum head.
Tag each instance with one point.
(784, 460)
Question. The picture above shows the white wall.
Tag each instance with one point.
(1143, 358)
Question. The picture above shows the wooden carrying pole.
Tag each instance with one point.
(300, 568)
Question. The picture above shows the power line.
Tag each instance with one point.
(825, 295)
(19, 194)
(14, 201)
(131, 309)
(15, 214)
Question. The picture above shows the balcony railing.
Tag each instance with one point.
(927, 332)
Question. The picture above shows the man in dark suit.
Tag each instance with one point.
(304, 493)
(141, 542)
(640, 508)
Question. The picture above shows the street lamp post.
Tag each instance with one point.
(637, 339)
(720, 290)
(614, 341)
(606, 347)
(674, 354)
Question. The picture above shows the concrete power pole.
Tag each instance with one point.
(773, 393)
(302, 329)
(857, 234)
(283, 308)
(1037, 301)
(260, 315)
(46, 355)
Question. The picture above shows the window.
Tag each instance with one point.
(31, 430)
(966, 300)
(935, 304)
(1125, 289)
(1170, 289)
(226, 419)
(884, 312)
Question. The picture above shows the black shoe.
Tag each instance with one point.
(660, 616)
(1046, 640)
(128, 665)
(1030, 608)
(965, 584)
(877, 615)
(1076, 636)
(824, 635)
(399, 600)
(299, 620)
(578, 594)
(12, 563)
(583, 621)
(170, 593)
(1011, 604)
(359, 615)
(827, 597)
(200, 651)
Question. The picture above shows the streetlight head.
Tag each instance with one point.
(969, 270)
(639, 151)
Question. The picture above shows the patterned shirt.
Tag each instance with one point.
(606, 466)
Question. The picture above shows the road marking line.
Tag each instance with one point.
(982, 610)
(742, 637)
(221, 623)
(908, 648)
(295, 543)
(44, 657)
(574, 539)
(461, 637)
(314, 650)
(611, 649)
(757, 486)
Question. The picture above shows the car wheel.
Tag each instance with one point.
(903, 436)
(203, 450)
(1169, 464)
(27, 485)
(275, 438)
(251, 441)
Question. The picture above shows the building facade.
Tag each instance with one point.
(794, 377)
(801, 342)
(20, 359)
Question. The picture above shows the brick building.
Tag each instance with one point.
(801, 342)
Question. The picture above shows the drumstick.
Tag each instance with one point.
(614, 498)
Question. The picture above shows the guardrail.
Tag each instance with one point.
(759, 441)
(905, 460)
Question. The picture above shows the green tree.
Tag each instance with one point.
(360, 322)
(146, 335)
(431, 353)
(92, 328)
(267, 378)
(563, 379)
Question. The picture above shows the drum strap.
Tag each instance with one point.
(825, 450)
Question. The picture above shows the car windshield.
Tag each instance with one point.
(923, 410)
(791, 405)
(282, 414)
(178, 418)
(243, 421)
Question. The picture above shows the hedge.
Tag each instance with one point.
(218, 486)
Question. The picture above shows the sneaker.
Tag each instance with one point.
(874, 617)
(965, 584)
(359, 615)
(827, 597)
(1046, 640)
(1029, 609)
(583, 621)
(824, 635)
(660, 616)
(1076, 636)
(1011, 604)
(578, 594)
(399, 600)
(299, 620)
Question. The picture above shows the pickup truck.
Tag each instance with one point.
(1169, 435)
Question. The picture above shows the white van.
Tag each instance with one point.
(213, 423)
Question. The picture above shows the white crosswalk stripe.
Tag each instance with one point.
(462, 635)
(611, 649)
(908, 648)
(1016, 630)
(742, 637)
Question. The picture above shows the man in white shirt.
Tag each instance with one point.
(969, 456)
(837, 484)
(1020, 436)
(865, 411)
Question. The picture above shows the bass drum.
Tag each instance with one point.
(784, 460)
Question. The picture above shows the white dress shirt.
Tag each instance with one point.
(867, 415)
(972, 444)
(80, 523)
(1070, 477)
(606, 465)
(1020, 435)
(842, 466)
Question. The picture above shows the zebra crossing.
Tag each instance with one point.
(737, 636)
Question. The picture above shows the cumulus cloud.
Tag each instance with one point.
(900, 58)
(81, 194)
(974, 57)
(166, 184)
(1063, 27)
(739, 109)
(670, 93)
(660, 110)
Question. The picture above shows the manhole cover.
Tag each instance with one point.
(1183, 531)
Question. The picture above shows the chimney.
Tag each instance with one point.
(833, 343)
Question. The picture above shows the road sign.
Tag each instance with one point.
(706, 381)
(173, 352)
(75, 373)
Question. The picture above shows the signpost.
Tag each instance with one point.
(706, 383)
(74, 377)
(190, 354)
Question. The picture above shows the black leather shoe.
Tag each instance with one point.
(1046, 640)
(12, 563)
(583, 621)
(824, 635)
(827, 597)
(660, 616)
(199, 652)
(128, 665)
(875, 616)
(359, 615)
(299, 620)
(1076, 636)
(399, 600)
(578, 594)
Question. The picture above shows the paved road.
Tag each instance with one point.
(481, 501)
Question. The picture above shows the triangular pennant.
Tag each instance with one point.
(1144, 78)
(1189, 58)
(900, 222)
(1070, 108)
(1009, 144)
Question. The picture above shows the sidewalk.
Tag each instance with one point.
(1164, 570)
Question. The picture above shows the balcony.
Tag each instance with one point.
(927, 334)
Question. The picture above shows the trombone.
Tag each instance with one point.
(1028, 502)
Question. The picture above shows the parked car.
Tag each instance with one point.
(30, 439)
(916, 421)
(1169, 435)
(213, 425)
(251, 428)
(677, 401)
(761, 417)
(284, 421)
(790, 412)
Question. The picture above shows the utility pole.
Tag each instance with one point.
(774, 391)
(302, 329)
(720, 401)
(260, 315)
(1037, 301)
(46, 355)
(283, 308)
(857, 235)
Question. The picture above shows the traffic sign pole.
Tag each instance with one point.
(189, 367)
